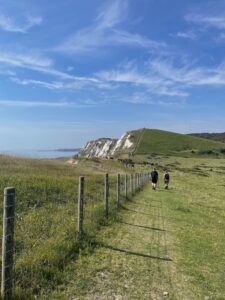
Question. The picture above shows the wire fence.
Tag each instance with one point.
(41, 219)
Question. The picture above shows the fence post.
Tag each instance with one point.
(126, 187)
(131, 184)
(7, 242)
(118, 190)
(106, 195)
(136, 182)
(80, 206)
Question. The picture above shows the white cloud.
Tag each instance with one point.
(191, 35)
(124, 37)
(164, 78)
(104, 32)
(112, 14)
(32, 104)
(190, 76)
(21, 26)
(215, 21)
(26, 60)
(44, 65)
(45, 84)
(147, 79)
(58, 85)
(51, 104)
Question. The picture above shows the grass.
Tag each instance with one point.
(169, 143)
(164, 244)
(46, 237)
(14, 166)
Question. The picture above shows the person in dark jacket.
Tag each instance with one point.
(154, 178)
(166, 179)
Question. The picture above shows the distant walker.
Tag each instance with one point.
(166, 179)
(154, 178)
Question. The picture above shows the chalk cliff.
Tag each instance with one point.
(106, 147)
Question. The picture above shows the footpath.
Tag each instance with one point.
(135, 258)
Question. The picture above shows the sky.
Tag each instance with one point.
(73, 71)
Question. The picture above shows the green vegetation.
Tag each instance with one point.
(169, 143)
(164, 244)
(46, 216)
(219, 137)
(154, 142)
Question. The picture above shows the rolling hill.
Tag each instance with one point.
(166, 142)
(145, 141)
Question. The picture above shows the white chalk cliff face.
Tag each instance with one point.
(106, 147)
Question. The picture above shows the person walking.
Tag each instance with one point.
(154, 178)
(166, 179)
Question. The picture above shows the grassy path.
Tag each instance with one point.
(134, 259)
(163, 245)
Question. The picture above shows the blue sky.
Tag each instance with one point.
(71, 71)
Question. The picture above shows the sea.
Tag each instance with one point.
(47, 154)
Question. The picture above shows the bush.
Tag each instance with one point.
(207, 152)
(222, 150)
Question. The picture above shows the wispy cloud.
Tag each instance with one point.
(20, 26)
(26, 60)
(147, 98)
(147, 79)
(81, 103)
(61, 85)
(191, 35)
(105, 32)
(164, 78)
(49, 85)
(189, 76)
(43, 65)
(33, 104)
(216, 21)
(112, 14)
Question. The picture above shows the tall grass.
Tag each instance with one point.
(45, 236)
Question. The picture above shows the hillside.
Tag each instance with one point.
(165, 142)
(147, 141)
(219, 137)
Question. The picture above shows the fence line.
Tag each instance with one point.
(109, 191)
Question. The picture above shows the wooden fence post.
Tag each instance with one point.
(80, 206)
(106, 195)
(131, 184)
(7, 242)
(126, 186)
(136, 184)
(118, 190)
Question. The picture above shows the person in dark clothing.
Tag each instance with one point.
(154, 177)
(166, 179)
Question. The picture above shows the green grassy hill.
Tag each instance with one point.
(170, 143)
